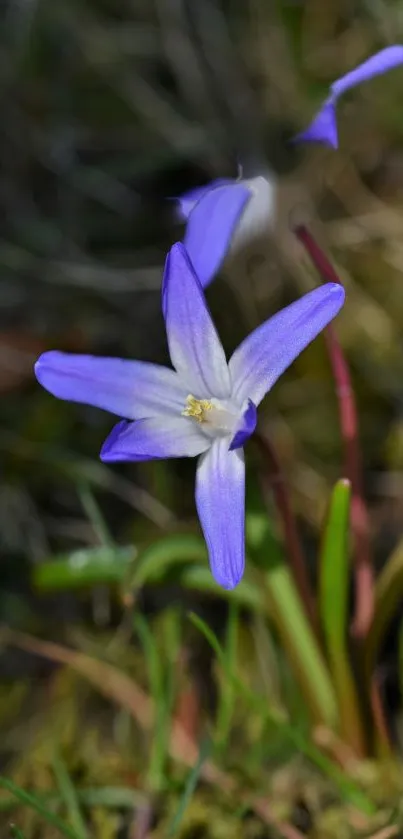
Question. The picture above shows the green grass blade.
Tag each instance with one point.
(171, 642)
(69, 796)
(16, 832)
(190, 787)
(301, 646)
(94, 514)
(333, 608)
(36, 804)
(166, 554)
(288, 614)
(120, 798)
(227, 693)
(157, 687)
(350, 791)
(334, 567)
(246, 594)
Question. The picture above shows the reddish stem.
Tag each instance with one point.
(364, 572)
(290, 533)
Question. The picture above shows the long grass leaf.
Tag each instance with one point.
(287, 613)
(36, 804)
(69, 796)
(189, 789)
(227, 693)
(156, 679)
(349, 789)
(333, 608)
(124, 798)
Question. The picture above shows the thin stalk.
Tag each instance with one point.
(290, 531)
(364, 570)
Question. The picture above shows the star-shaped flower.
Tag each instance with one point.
(203, 406)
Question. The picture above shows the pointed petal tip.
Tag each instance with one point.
(178, 251)
(186, 202)
(220, 502)
(194, 345)
(107, 454)
(44, 359)
(336, 292)
(38, 367)
(228, 581)
(178, 257)
(323, 128)
(212, 226)
(266, 353)
(48, 364)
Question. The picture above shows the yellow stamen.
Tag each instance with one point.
(196, 408)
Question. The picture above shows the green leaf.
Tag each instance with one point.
(334, 567)
(227, 696)
(333, 609)
(36, 804)
(189, 789)
(247, 595)
(294, 630)
(158, 690)
(124, 798)
(173, 555)
(163, 555)
(94, 513)
(349, 789)
(83, 568)
(69, 796)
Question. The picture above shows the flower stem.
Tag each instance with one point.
(290, 532)
(364, 572)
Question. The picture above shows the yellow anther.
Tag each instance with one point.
(196, 408)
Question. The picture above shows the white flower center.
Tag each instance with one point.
(218, 417)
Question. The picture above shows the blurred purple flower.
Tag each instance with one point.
(222, 215)
(323, 128)
(204, 406)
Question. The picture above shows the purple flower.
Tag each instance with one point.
(222, 215)
(204, 406)
(323, 128)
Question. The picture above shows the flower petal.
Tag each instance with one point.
(246, 426)
(211, 226)
(378, 64)
(220, 500)
(323, 128)
(149, 439)
(259, 215)
(195, 348)
(259, 361)
(188, 201)
(126, 388)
